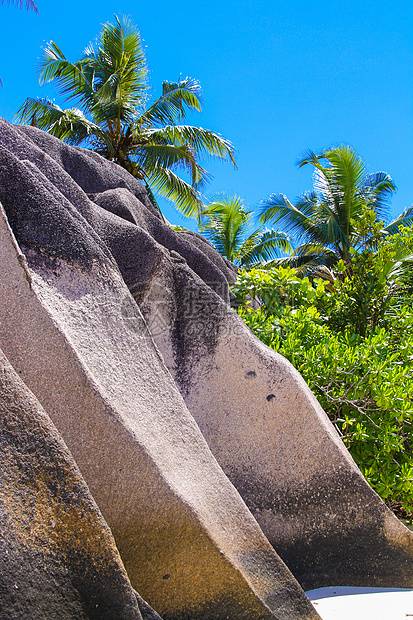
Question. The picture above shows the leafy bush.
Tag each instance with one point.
(352, 340)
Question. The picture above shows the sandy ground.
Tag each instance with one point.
(345, 603)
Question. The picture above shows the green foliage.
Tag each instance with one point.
(362, 293)
(277, 288)
(226, 223)
(109, 84)
(324, 220)
(352, 340)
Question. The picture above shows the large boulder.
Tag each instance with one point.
(58, 558)
(274, 442)
(78, 339)
(276, 445)
(82, 254)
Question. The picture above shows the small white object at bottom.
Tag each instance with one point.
(348, 603)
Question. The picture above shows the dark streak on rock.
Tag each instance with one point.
(336, 533)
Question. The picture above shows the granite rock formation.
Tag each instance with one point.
(171, 408)
(58, 558)
(77, 338)
(276, 444)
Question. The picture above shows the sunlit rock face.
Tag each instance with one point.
(171, 408)
(58, 558)
(275, 443)
(75, 335)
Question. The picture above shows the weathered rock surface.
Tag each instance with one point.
(58, 558)
(275, 443)
(78, 340)
(82, 230)
(147, 612)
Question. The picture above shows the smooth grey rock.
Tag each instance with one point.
(58, 558)
(79, 174)
(190, 546)
(275, 443)
(259, 418)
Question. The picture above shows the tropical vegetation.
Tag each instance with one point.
(324, 220)
(227, 223)
(338, 306)
(351, 337)
(109, 84)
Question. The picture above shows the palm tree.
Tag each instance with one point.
(225, 222)
(323, 220)
(110, 87)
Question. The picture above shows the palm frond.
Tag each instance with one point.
(119, 64)
(225, 225)
(169, 185)
(263, 246)
(345, 172)
(400, 267)
(203, 141)
(154, 156)
(118, 114)
(326, 228)
(176, 98)
(327, 217)
(378, 189)
(70, 125)
(404, 219)
(309, 157)
(312, 250)
(165, 155)
(71, 78)
(109, 85)
(310, 259)
(278, 209)
(30, 5)
(115, 73)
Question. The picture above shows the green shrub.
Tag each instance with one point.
(352, 340)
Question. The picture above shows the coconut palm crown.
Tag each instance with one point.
(109, 84)
(323, 220)
(226, 223)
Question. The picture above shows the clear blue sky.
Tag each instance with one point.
(278, 77)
